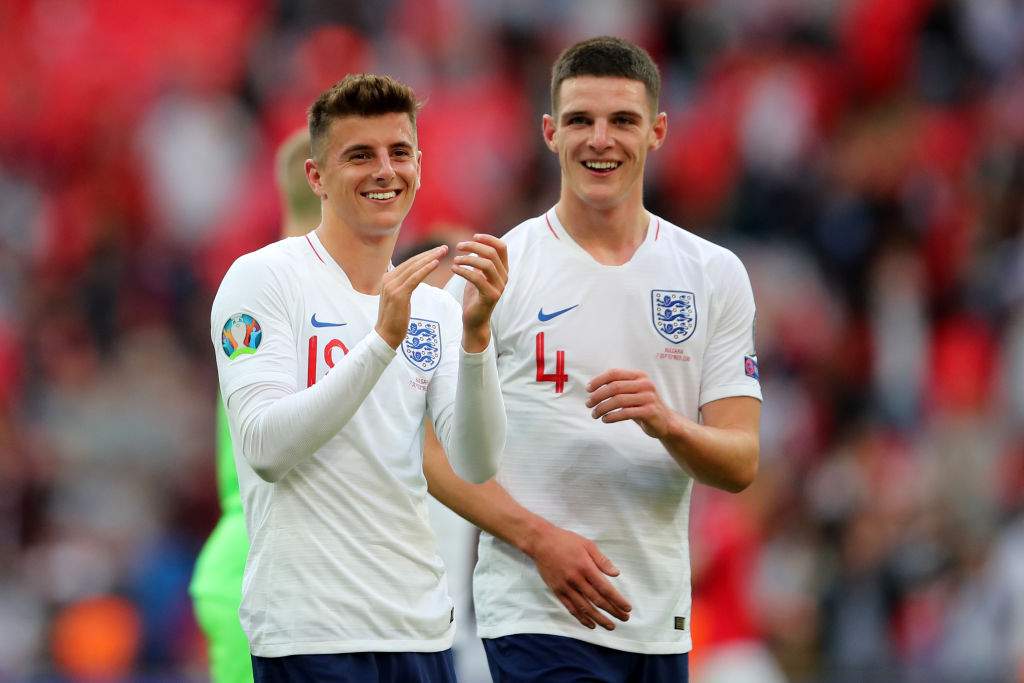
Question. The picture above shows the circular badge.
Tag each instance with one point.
(241, 336)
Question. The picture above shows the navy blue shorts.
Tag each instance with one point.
(536, 658)
(357, 667)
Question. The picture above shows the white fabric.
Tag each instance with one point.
(342, 556)
(608, 482)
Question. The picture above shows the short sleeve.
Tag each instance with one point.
(730, 362)
(252, 333)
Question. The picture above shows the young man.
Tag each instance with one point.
(329, 360)
(625, 350)
(216, 586)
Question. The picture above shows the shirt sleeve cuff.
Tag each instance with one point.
(479, 358)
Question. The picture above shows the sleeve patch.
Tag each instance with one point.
(750, 367)
(241, 336)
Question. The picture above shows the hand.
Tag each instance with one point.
(396, 291)
(483, 263)
(573, 568)
(618, 395)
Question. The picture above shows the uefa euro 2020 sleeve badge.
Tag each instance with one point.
(241, 336)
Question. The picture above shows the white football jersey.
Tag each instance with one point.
(342, 558)
(680, 310)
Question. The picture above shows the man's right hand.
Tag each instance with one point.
(574, 569)
(396, 291)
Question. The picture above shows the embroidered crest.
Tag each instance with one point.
(422, 343)
(674, 314)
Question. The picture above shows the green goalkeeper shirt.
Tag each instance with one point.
(221, 562)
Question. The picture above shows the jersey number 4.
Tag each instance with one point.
(558, 377)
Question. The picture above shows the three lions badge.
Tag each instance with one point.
(674, 314)
(422, 343)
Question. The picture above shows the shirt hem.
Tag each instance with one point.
(328, 647)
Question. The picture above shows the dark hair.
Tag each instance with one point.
(359, 95)
(606, 56)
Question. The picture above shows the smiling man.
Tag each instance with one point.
(626, 355)
(329, 359)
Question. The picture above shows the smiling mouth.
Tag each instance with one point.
(381, 195)
(601, 167)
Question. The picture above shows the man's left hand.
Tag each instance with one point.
(483, 263)
(617, 395)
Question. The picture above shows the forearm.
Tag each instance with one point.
(279, 428)
(724, 457)
(477, 428)
(487, 505)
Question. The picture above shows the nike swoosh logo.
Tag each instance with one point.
(317, 323)
(544, 317)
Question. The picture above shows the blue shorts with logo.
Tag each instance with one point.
(357, 667)
(537, 658)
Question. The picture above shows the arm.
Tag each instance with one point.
(722, 452)
(280, 426)
(475, 433)
(570, 565)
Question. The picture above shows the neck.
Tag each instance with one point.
(364, 258)
(297, 226)
(609, 235)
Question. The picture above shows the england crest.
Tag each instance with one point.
(674, 314)
(422, 343)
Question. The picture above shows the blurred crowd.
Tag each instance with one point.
(864, 157)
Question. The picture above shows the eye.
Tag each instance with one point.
(577, 120)
(359, 156)
(623, 121)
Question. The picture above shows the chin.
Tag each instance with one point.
(601, 200)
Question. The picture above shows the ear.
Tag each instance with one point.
(419, 168)
(314, 180)
(658, 131)
(548, 129)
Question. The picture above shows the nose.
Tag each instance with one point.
(385, 172)
(599, 140)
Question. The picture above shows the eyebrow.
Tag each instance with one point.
(369, 148)
(356, 148)
(622, 112)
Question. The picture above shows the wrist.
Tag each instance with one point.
(677, 429)
(389, 339)
(532, 532)
(476, 339)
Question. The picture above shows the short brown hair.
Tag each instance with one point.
(606, 56)
(359, 95)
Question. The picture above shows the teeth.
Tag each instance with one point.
(381, 195)
(601, 165)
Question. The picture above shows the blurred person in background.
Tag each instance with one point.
(216, 586)
(343, 580)
(611, 314)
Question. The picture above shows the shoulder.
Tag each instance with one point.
(713, 259)
(267, 277)
(275, 257)
(529, 234)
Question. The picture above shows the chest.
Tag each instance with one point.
(562, 323)
(333, 322)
